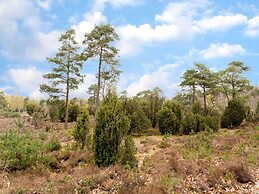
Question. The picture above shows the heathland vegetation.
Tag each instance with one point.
(203, 140)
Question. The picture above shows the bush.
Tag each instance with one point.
(129, 158)
(168, 123)
(53, 145)
(111, 125)
(213, 122)
(82, 128)
(73, 112)
(234, 114)
(139, 122)
(194, 123)
(50, 162)
(175, 108)
(18, 151)
(30, 107)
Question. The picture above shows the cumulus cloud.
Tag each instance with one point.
(221, 22)
(222, 50)
(253, 27)
(87, 24)
(27, 80)
(32, 37)
(179, 21)
(100, 4)
(44, 4)
(160, 78)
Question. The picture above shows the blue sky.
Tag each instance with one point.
(159, 39)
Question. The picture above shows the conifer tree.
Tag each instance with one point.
(111, 126)
(82, 128)
(65, 75)
(99, 45)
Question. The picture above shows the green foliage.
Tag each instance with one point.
(194, 123)
(56, 110)
(129, 152)
(197, 108)
(100, 44)
(73, 112)
(66, 71)
(18, 151)
(30, 107)
(169, 118)
(168, 123)
(82, 128)
(232, 82)
(139, 122)
(234, 114)
(151, 102)
(175, 108)
(50, 162)
(111, 125)
(53, 145)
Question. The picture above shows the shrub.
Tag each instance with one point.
(213, 122)
(197, 108)
(30, 107)
(234, 114)
(111, 125)
(129, 158)
(194, 123)
(168, 123)
(81, 129)
(175, 107)
(139, 122)
(53, 145)
(18, 151)
(73, 112)
(50, 162)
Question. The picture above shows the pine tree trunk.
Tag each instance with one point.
(99, 80)
(205, 101)
(66, 104)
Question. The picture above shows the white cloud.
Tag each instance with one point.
(177, 12)
(253, 27)
(44, 44)
(27, 80)
(221, 22)
(23, 35)
(87, 24)
(100, 4)
(222, 50)
(133, 38)
(161, 78)
(44, 4)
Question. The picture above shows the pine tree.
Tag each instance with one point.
(111, 125)
(65, 75)
(99, 45)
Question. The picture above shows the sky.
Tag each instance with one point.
(159, 39)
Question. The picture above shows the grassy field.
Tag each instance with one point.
(223, 162)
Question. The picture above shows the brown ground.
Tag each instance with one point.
(225, 162)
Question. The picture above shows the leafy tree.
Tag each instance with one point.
(175, 108)
(189, 79)
(82, 128)
(99, 45)
(66, 71)
(232, 81)
(111, 126)
(234, 114)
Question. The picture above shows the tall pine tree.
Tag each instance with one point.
(65, 75)
(100, 45)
